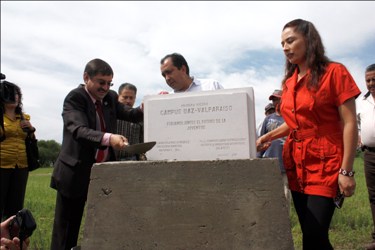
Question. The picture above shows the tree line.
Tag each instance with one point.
(48, 152)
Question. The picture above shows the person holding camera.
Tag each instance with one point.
(11, 243)
(13, 159)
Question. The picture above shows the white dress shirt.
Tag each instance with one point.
(202, 85)
(366, 111)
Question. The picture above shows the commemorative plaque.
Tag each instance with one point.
(207, 125)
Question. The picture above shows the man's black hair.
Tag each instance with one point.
(178, 61)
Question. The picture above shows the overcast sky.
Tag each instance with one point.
(46, 45)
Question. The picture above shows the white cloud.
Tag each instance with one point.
(45, 45)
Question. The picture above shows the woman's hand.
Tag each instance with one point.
(347, 185)
(262, 143)
(26, 126)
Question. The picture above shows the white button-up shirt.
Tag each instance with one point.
(202, 85)
(366, 111)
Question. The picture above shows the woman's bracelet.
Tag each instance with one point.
(346, 172)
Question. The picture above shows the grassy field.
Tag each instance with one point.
(40, 199)
(350, 228)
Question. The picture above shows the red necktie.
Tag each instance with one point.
(99, 110)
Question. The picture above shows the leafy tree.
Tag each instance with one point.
(48, 152)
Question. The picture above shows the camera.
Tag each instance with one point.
(339, 199)
(22, 226)
(7, 91)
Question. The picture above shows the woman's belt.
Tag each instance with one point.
(301, 134)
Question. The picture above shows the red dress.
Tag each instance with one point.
(313, 151)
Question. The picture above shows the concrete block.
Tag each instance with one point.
(227, 204)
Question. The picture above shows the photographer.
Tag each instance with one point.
(13, 160)
(6, 242)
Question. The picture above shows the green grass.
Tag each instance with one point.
(351, 226)
(40, 200)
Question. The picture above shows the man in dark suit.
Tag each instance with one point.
(89, 114)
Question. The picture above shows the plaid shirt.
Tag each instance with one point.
(134, 133)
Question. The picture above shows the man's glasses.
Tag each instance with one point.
(102, 82)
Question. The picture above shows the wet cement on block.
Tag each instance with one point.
(226, 204)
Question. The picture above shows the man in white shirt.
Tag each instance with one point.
(175, 70)
(366, 116)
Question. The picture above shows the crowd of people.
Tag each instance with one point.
(311, 127)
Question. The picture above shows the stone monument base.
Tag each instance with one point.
(226, 204)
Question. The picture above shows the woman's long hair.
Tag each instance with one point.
(18, 109)
(20, 104)
(316, 59)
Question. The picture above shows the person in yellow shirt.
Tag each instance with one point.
(13, 160)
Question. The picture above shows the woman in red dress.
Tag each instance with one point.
(318, 106)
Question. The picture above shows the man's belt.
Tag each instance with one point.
(370, 149)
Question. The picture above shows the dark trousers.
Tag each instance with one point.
(13, 189)
(315, 215)
(369, 162)
(68, 216)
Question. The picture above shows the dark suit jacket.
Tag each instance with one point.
(71, 174)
